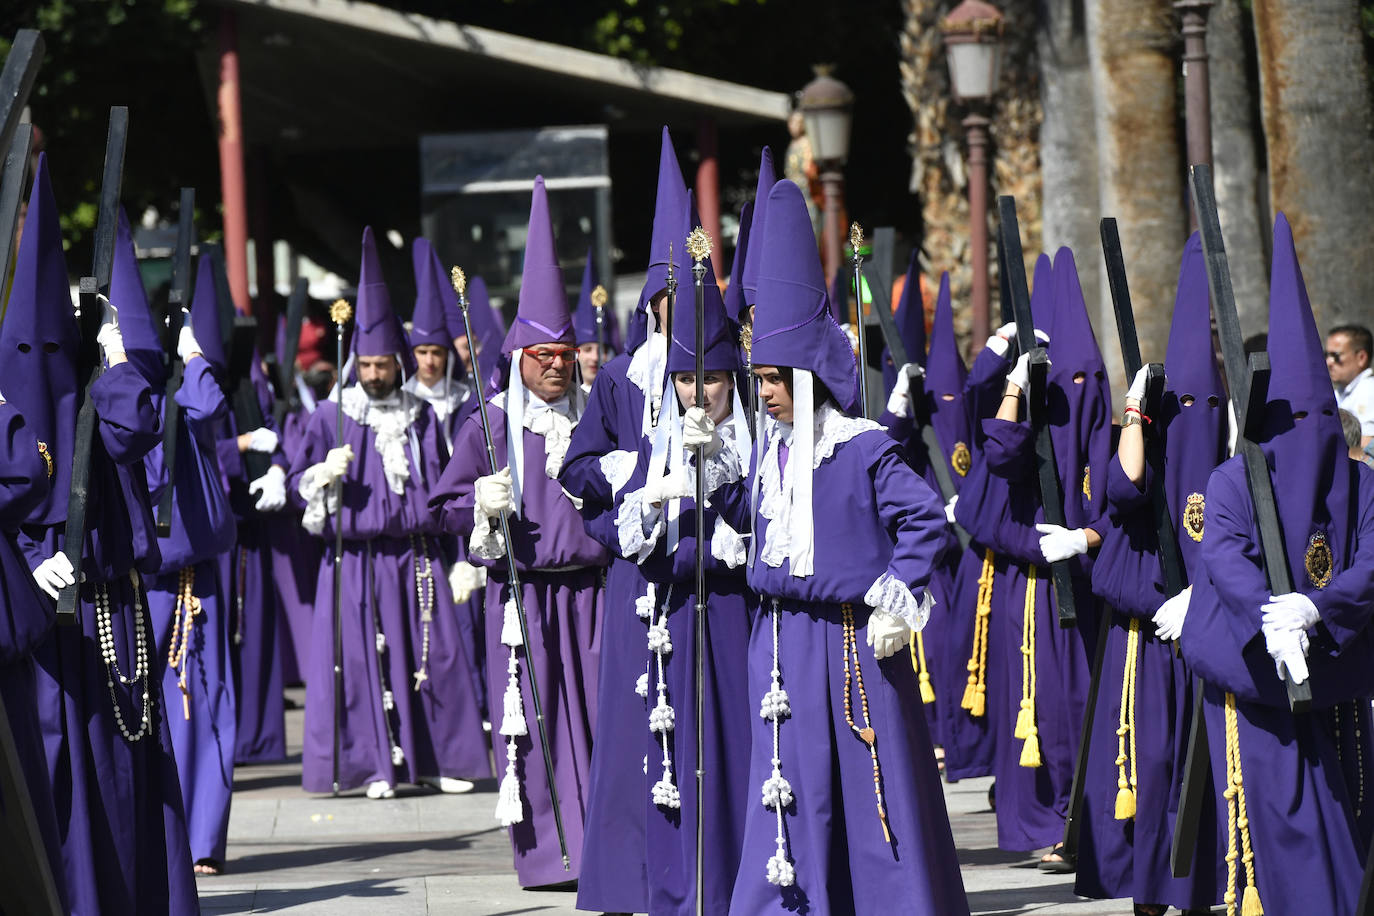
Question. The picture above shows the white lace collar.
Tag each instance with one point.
(390, 419)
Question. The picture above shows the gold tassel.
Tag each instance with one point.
(1125, 794)
(1025, 716)
(1250, 904)
(1125, 802)
(974, 699)
(927, 689)
(1030, 751)
(1025, 720)
(970, 693)
(1238, 822)
(980, 703)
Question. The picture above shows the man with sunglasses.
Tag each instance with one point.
(560, 567)
(1348, 351)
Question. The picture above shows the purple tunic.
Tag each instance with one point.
(25, 619)
(125, 846)
(202, 717)
(614, 876)
(560, 573)
(396, 727)
(834, 840)
(250, 595)
(296, 561)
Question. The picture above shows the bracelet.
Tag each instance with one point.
(1010, 395)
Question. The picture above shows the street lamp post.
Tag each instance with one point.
(973, 37)
(1196, 84)
(827, 105)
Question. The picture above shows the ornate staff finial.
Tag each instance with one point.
(459, 279)
(340, 312)
(599, 296)
(699, 244)
(856, 238)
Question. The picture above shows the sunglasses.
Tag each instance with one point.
(547, 356)
(1334, 356)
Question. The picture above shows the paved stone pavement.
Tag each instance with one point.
(423, 854)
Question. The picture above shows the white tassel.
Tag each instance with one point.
(776, 790)
(398, 756)
(509, 809)
(775, 705)
(661, 718)
(512, 712)
(780, 871)
(510, 626)
(642, 685)
(666, 795)
(644, 604)
(659, 640)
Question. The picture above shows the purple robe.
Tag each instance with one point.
(25, 620)
(614, 876)
(202, 716)
(893, 525)
(125, 847)
(250, 595)
(561, 570)
(396, 727)
(296, 561)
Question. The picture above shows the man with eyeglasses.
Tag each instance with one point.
(559, 565)
(1348, 350)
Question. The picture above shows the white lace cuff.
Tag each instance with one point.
(721, 468)
(617, 467)
(727, 545)
(485, 542)
(321, 499)
(891, 594)
(638, 526)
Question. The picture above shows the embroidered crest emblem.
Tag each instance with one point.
(47, 456)
(1087, 483)
(961, 459)
(1192, 516)
(1318, 560)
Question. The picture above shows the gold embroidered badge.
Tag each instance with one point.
(1087, 483)
(47, 457)
(1192, 516)
(961, 459)
(1318, 560)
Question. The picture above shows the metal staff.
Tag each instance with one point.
(460, 285)
(102, 264)
(699, 247)
(599, 297)
(856, 239)
(290, 401)
(340, 312)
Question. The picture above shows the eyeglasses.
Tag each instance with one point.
(546, 357)
(1334, 356)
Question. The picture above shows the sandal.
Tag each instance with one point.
(1058, 862)
(208, 867)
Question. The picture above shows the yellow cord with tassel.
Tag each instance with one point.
(1238, 822)
(918, 661)
(976, 691)
(1025, 717)
(1126, 787)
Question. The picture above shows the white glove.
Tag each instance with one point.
(1060, 543)
(109, 337)
(270, 489)
(1288, 649)
(464, 579)
(899, 402)
(54, 574)
(494, 493)
(887, 633)
(187, 345)
(949, 508)
(1292, 611)
(700, 430)
(669, 486)
(1000, 342)
(1169, 618)
(1020, 373)
(264, 440)
(334, 465)
(1137, 390)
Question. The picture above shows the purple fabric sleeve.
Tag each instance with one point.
(910, 510)
(1347, 602)
(1123, 496)
(23, 472)
(129, 425)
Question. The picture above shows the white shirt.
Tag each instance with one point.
(442, 397)
(1358, 398)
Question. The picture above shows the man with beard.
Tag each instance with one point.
(408, 713)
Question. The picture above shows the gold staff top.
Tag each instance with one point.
(699, 244)
(599, 296)
(340, 312)
(856, 238)
(459, 279)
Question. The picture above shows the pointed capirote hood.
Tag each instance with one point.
(1302, 438)
(945, 377)
(377, 331)
(721, 352)
(910, 319)
(792, 324)
(429, 321)
(136, 323)
(542, 313)
(670, 202)
(205, 316)
(1193, 410)
(767, 178)
(40, 341)
(1042, 293)
(735, 306)
(584, 315)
